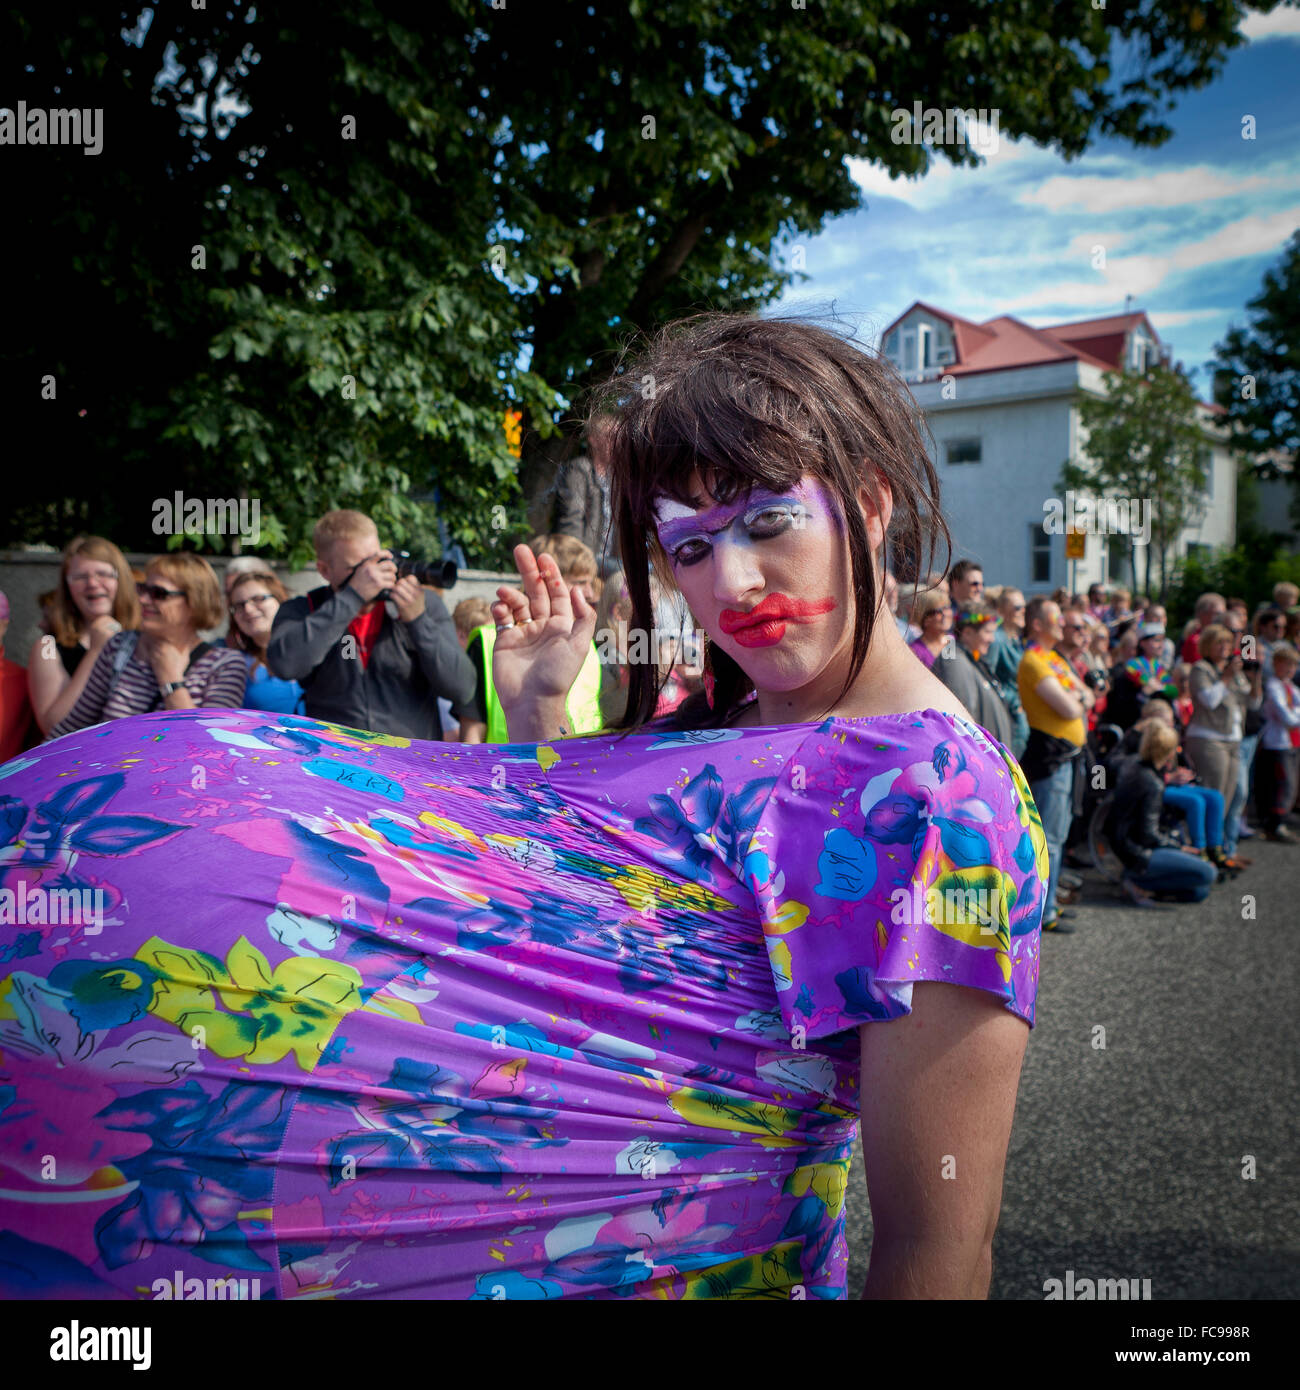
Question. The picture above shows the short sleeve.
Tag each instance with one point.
(1030, 673)
(894, 850)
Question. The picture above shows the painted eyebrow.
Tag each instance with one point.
(680, 525)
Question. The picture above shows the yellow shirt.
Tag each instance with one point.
(1036, 663)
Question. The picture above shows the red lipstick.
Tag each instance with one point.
(765, 625)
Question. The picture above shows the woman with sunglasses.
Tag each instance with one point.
(255, 599)
(165, 665)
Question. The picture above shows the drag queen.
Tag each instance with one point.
(292, 1010)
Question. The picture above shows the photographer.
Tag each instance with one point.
(371, 650)
(1222, 692)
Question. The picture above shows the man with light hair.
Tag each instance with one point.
(370, 650)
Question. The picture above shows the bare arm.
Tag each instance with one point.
(53, 692)
(473, 731)
(938, 1097)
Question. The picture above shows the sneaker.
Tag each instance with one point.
(1059, 926)
(1235, 863)
(1244, 832)
(1282, 836)
(1069, 880)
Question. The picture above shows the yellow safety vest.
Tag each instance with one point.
(581, 705)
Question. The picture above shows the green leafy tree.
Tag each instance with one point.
(1257, 373)
(325, 247)
(1142, 439)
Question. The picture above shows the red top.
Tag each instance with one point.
(15, 710)
(365, 628)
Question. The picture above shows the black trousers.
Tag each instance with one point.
(1275, 784)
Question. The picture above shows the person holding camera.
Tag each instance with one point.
(371, 649)
(1222, 692)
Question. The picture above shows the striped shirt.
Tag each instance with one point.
(216, 678)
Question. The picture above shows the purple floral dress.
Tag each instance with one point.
(289, 1010)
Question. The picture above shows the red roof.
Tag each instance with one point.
(1004, 342)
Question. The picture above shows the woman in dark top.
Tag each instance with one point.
(95, 598)
(1153, 862)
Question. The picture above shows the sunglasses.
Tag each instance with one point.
(158, 593)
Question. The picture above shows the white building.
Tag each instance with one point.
(1001, 399)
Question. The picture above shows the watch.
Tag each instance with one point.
(171, 688)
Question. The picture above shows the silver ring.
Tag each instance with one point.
(502, 626)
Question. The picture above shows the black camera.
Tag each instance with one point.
(439, 573)
(1095, 680)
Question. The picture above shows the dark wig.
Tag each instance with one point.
(753, 402)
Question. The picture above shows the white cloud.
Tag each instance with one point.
(1248, 236)
(1170, 188)
(1178, 319)
(1283, 23)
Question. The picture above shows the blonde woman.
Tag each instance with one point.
(94, 600)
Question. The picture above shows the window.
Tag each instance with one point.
(1139, 355)
(1206, 462)
(909, 350)
(963, 451)
(891, 344)
(924, 335)
(1040, 554)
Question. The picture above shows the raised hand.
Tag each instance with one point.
(536, 661)
(374, 575)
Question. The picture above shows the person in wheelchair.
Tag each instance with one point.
(1153, 861)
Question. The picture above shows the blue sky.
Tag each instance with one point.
(1188, 229)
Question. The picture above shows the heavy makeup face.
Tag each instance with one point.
(765, 576)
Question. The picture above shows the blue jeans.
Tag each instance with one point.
(1237, 806)
(1173, 871)
(1203, 809)
(1054, 798)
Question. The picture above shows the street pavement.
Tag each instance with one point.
(1128, 1161)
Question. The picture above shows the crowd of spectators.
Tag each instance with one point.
(1208, 718)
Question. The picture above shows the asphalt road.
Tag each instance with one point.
(1128, 1162)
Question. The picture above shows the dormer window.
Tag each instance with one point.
(1139, 354)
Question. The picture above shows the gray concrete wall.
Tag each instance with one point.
(26, 574)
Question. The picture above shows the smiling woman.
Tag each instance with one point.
(565, 1017)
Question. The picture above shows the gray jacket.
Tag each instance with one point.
(975, 688)
(582, 510)
(396, 690)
